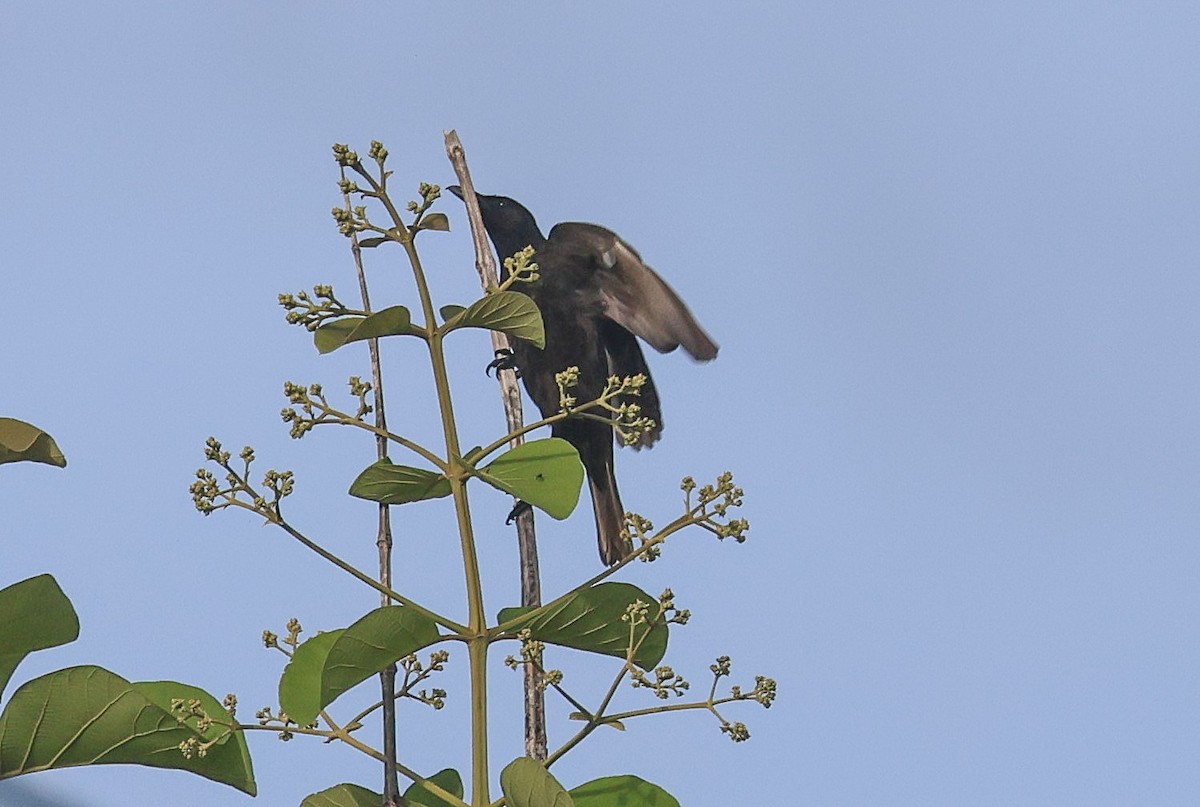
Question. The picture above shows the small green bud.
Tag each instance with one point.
(736, 731)
(343, 155)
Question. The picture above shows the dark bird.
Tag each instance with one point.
(596, 296)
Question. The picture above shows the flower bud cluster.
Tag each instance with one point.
(344, 156)
(520, 267)
(637, 529)
(279, 483)
(714, 502)
(532, 651)
(266, 717)
(763, 693)
(360, 389)
(627, 418)
(736, 731)
(666, 682)
(313, 409)
(208, 495)
(668, 613)
(415, 672)
(190, 712)
(377, 152)
(294, 629)
(313, 311)
(565, 380)
(636, 613)
(309, 399)
(429, 194)
(351, 221)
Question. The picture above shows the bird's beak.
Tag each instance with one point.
(456, 190)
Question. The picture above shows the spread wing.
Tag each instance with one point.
(633, 295)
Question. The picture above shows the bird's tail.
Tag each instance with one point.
(610, 515)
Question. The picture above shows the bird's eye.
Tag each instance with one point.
(500, 204)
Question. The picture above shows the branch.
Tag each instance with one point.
(510, 394)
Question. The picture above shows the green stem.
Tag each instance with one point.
(477, 642)
(367, 579)
(599, 720)
(577, 411)
(579, 737)
(352, 741)
(579, 707)
(346, 419)
(458, 472)
(596, 719)
(480, 453)
(674, 707)
(477, 650)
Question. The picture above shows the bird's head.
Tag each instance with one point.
(511, 226)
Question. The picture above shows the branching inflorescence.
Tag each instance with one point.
(633, 625)
(662, 681)
(209, 496)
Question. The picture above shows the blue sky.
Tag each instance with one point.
(949, 252)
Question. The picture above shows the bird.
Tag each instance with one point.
(597, 297)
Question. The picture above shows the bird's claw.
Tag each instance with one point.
(504, 361)
(518, 510)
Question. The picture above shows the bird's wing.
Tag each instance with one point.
(632, 293)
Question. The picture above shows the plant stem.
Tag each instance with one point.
(382, 589)
(510, 394)
(338, 733)
(457, 472)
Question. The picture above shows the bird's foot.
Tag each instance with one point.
(518, 510)
(504, 361)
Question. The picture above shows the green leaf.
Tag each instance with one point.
(386, 483)
(435, 221)
(590, 619)
(344, 795)
(621, 791)
(394, 321)
(512, 612)
(90, 716)
(331, 663)
(449, 312)
(448, 779)
(527, 783)
(509, 311)
(300, 684)
(545, 473)
(34, 615)
(368, 243)
(24, 442)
